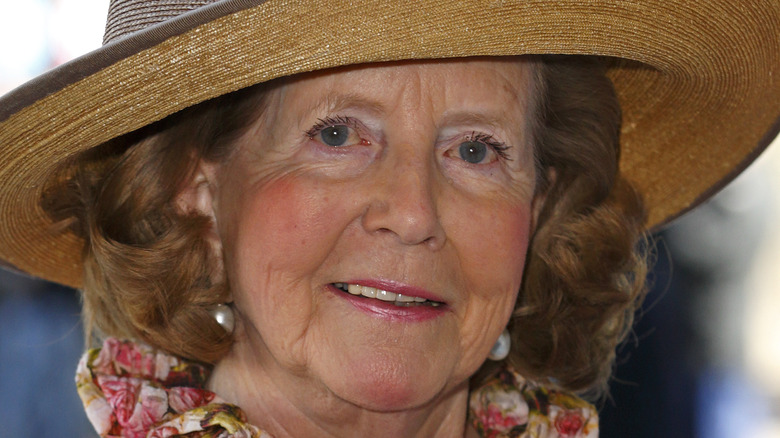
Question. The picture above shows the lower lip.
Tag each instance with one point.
(388, 310)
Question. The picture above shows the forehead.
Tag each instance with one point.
(479, 85)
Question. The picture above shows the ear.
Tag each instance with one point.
(198, 197)
(197, 193)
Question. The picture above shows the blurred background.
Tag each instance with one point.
(703, 360)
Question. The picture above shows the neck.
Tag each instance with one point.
(290, 405)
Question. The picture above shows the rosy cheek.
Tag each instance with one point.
(287, 225)
(499, 244)
(273, 216)
(266, 244)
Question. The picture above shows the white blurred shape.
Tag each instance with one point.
(762, 331)
(23, 39)
(36, 35)
(77, 26)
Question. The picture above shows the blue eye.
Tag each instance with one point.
(480, 148)
(473, 152)
(336, 135)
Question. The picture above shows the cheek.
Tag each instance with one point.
(493, 253)
(278, 222)
(275, 237)
(495, 244)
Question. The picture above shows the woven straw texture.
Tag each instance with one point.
(700, 84)
(128, 16)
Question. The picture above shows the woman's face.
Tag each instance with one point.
(413, 181)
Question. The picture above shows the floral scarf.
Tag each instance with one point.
(130, 390)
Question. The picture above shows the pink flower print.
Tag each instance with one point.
(134, 360)
(493, 418)
(495, 422)
(120, 395)
(104, 362)
(183, 399)
(163, 432)
(122, 357)
(150, 409)
(136, 405)
(569, 423)
(163, 364)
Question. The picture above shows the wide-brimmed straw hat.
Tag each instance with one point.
(699, 83)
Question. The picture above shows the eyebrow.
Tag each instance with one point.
(475, 118)
(338, 101)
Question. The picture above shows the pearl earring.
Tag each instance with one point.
(224, 316)
(500, 349)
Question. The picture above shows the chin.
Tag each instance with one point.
(390, 386)
(388, 396)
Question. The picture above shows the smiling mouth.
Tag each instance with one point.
(387, 296)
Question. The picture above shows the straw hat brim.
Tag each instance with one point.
(698, 81)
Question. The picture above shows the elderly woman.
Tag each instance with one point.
(316, 219)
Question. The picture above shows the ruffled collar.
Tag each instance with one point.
(131, 390)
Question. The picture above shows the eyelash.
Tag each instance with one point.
(329, 121)
(498, 147)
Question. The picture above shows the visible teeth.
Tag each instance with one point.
(372, 292)
(367, 291)
(384, 295)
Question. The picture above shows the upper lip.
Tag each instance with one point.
(397, 287)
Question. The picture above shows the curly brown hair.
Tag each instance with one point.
(586, 271)
(147, 263)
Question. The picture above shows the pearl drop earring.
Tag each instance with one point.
(224, 316)
(501, 348)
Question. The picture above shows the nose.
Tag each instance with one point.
(403, 198)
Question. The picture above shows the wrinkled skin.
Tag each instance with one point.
(358, 175)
